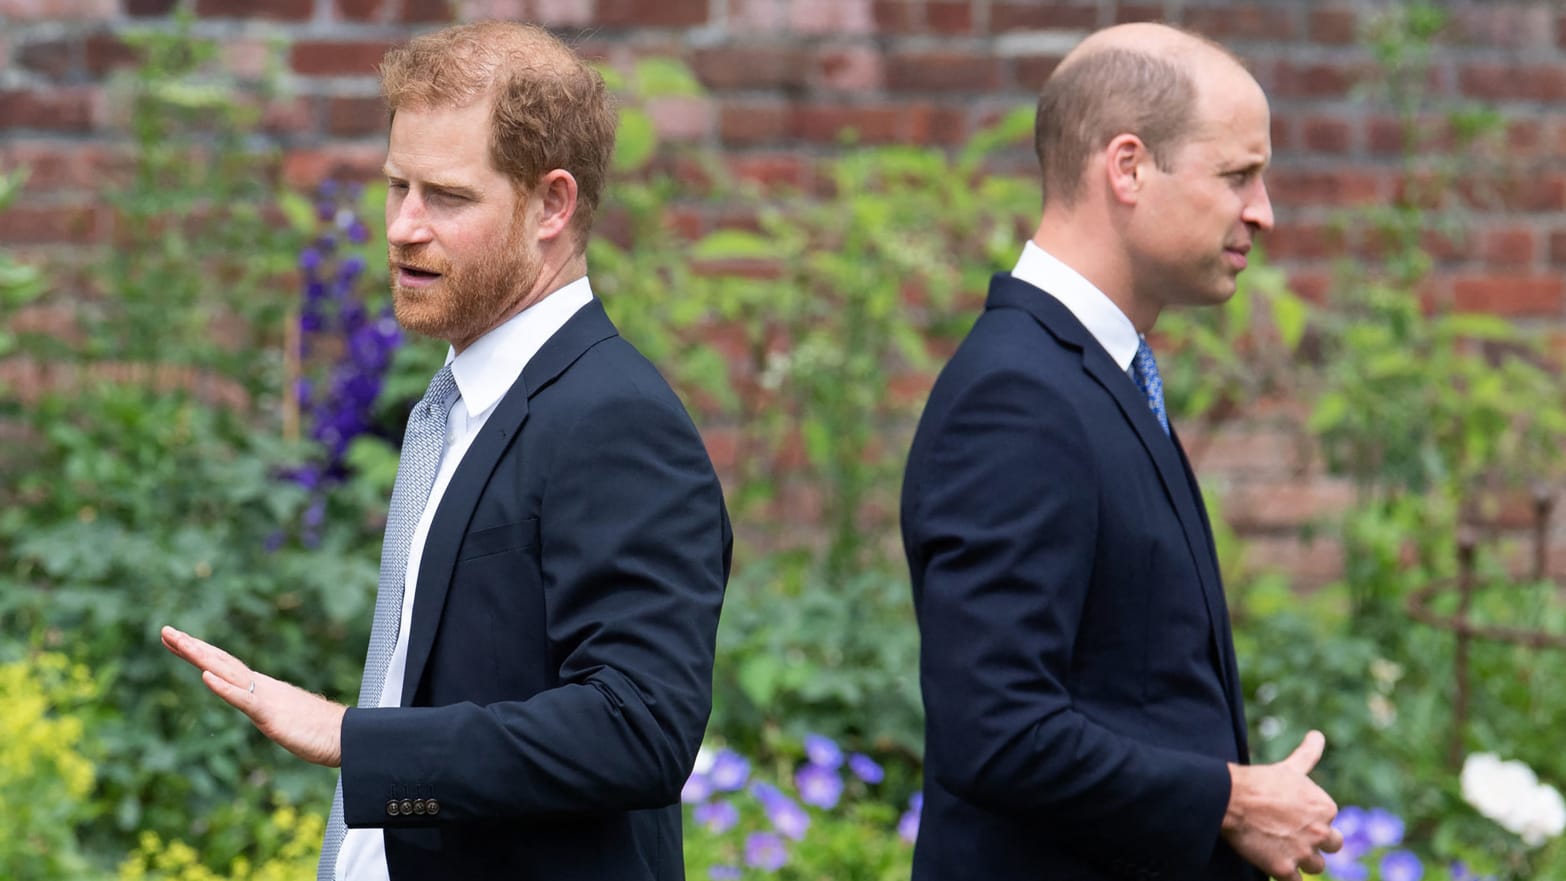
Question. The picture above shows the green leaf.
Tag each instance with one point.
(636, 142)
(1289, 315)
(733, 244)
(664, 78)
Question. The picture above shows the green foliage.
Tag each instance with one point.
(294, 838)
(46, 770)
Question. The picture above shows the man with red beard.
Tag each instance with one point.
(540, 665)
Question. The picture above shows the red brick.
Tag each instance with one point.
(54, 59)
(1242, 21)
(359, 10)
(1313, 285)
(1129, 12)
(1509, 295)
(1502, 25)
(641, 13)
(827, 123)
(333, 58)
(292, 115)
(1245, 451)
(851, 69)
(58, 10)
(1531, 193)
(1493, 81)
(949, 16)
(1305, 241)
(745, 123)
(307, 168)
(1309, 563)
(1282, 133)
(1337, 26)
(936, 124)
(1042, 17)
(1030, 72)
(943, 71)
(422, 11)
(1323, 79)
(149, 8)
(54, 165)
(1558, 247)
(355, 117)
(751, 67)
(280, 10)
(559, 13)
(1326, 135)
(894, 16)
(772, 169)
(1524, 137)
(1448, 247)
(831, 17)
(1285, 505)
(1337, 187)
(68, 109)
(36, 224)
(681, 118)
(1510, 246)
(1385, 135)
(106, 53)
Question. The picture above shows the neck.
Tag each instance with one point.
(1092, 249)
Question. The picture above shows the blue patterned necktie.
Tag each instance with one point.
(1144, 371)
(422, 446)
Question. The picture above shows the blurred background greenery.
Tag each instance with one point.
(222, 453)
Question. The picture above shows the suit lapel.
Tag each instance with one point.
(1168, 459)
(589, 326)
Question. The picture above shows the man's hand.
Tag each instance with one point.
(305, 724)
(1278, 819)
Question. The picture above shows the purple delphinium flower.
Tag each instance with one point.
(1383, 828)
(908, 823)
(696, 790)
(865, 768)
(821, 750)
(718, 816)
(724, 873)
(1401, 865)
(1350, 823)
(766, 851)
(785, 814)
(729, 771)
(819, 786)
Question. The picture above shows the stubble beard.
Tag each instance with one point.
(470, 298)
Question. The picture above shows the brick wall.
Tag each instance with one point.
(785, 76)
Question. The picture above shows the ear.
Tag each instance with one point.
(1126, 165)
(556, 194)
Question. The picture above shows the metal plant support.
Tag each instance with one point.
(1466, 631)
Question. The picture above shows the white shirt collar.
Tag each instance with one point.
(1099, 314)
(490, 366)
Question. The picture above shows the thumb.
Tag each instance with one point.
(1308, 753)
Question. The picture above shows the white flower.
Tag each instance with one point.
(1270, 727)
(1510, 794)
(1382, 711)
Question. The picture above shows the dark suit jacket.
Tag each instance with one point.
(559, 673)
(1077, 668)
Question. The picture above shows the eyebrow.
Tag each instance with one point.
(455, 189)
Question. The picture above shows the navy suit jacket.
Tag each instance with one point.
(559, 673)
(1076, 663)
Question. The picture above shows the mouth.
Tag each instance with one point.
(1236, 256)
(411, 276)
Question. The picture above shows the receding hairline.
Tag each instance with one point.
(1194, 53)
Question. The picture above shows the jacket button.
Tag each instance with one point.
(432, 807)
(418, 806)
(392, 807)
(407, 807)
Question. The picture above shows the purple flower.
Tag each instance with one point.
(819, 786)
(1400, 865)
(724, 873)
(766, 851)
(822, 751)
(1345, 866)
(908, 826)
(358, 233)
(696, 789)
(1350, 823)
(1383, 828)
(309, 260)
(729, 771)
(786, 815)
(717, 816)
(865, 768)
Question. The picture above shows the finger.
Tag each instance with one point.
(1334, 842)
(207, 657)
(239, 698)
(1308, 753)
(1314, 864)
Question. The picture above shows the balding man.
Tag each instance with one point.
(540, 666)
(1084, 714)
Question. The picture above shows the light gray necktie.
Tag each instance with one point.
(422, 445)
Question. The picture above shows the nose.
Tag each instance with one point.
(1258, 208)
(406, 223)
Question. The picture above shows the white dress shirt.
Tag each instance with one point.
(484, 372)
(1099, 314)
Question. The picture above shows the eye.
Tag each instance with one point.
(396, 185)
